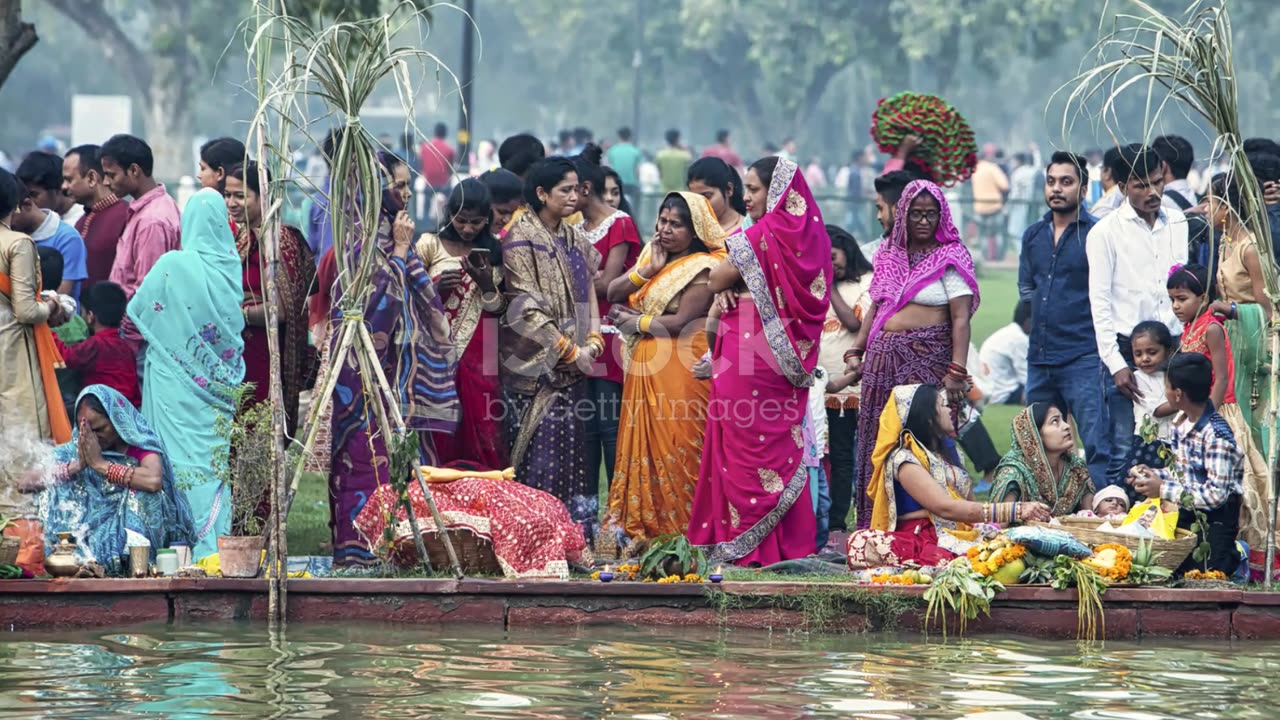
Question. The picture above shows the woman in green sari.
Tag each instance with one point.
(1243, 303)
(1042, 464)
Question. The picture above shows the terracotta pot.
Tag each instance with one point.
(240, 557)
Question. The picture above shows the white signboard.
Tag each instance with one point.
(94, 118)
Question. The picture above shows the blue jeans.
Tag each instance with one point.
(1120, 409)
(1076, 386)
(820, 495)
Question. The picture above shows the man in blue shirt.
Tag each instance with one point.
(1063, 365)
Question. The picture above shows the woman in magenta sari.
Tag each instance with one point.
(923, 293)
(752, 505)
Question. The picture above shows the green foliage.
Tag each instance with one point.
(1144, 570)
(823, 606)
(1039, 570)
(961, 590)
(245, 461)
(1090, 586)
(674, 547)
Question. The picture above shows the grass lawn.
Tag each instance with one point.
(309, 518)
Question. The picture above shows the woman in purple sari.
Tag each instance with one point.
(923, 293)
(549, 340)
(752, 504)
(410, 333)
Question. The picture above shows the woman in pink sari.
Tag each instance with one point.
(752, 505)
(923, 293)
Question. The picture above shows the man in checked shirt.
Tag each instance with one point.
(1208, 465)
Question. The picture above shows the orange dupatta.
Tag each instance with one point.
(50, 359)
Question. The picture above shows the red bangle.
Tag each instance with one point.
(854, 353)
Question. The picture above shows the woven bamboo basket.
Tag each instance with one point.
(475, 554)
(1169, 553)
(9, 547)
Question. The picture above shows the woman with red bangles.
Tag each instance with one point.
(113, 480)
(923, 294)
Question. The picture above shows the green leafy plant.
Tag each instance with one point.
(1039, 570)
(961, 590)
(671, 555)
(1090, 586)
(243, 461)
(1144, 570)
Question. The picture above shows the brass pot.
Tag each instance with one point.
(62, 562)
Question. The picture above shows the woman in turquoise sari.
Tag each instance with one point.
(187, 311)
(113, 480)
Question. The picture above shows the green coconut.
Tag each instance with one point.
(1009, 573)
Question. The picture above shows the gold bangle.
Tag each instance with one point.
(645, 322)
(637, 279)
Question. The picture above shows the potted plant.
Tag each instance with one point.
(246, 466)
(671, 555)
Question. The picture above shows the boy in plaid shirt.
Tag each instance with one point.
(1209, 466)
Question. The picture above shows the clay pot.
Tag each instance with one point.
(240, 557)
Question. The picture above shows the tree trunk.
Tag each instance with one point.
(16, 37)
(168, 112)
(168, 123)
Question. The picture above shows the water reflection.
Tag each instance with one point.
(398, 672)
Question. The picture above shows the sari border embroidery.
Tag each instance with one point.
(744, 258)
(782, 175)
(730, 550)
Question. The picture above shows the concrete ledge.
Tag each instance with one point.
(1037, 611)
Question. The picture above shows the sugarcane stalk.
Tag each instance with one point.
(318, 405)
(394, 405)
(367, 356)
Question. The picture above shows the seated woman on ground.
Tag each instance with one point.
(113, 480)
(1042, 464)
(923, 509)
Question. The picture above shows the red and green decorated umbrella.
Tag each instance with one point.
(947, 150)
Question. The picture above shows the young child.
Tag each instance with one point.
(105, 358)
(1111, 503)
(73, 329)
(1153, 345)
(1192, 293)
(1209, 465)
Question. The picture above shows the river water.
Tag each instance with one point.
(376, 671)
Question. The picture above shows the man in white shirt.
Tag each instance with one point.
(1130, 252)
(1003, 372)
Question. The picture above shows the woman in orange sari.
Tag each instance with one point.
(663, 405)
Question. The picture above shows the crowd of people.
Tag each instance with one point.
(736, 369)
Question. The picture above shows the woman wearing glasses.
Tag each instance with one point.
(923, 294)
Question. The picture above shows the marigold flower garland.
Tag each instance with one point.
(988, 557)
(1205, 575)
(1110, 560)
